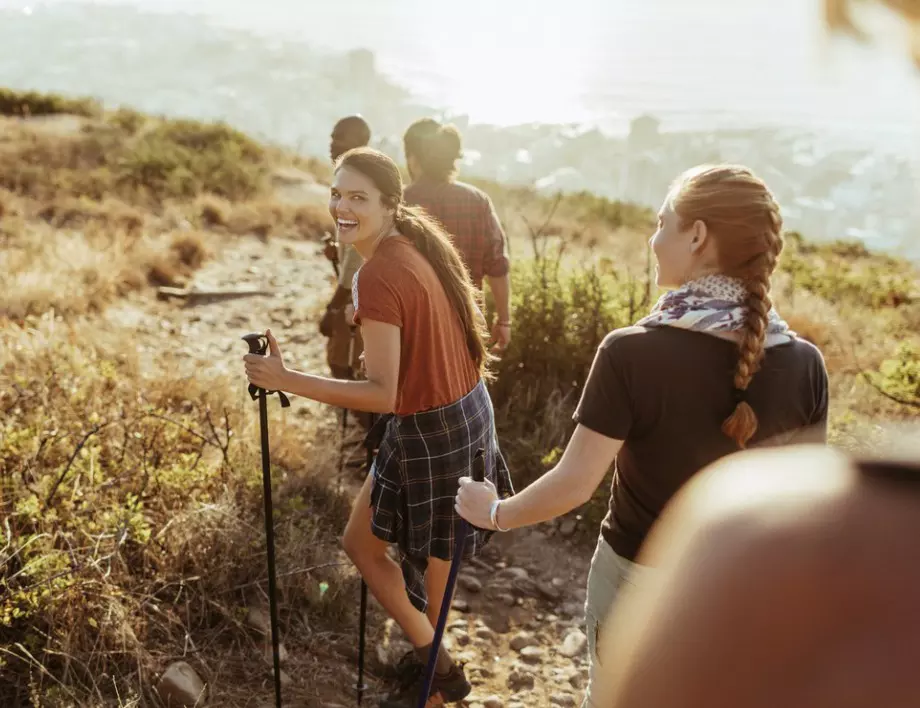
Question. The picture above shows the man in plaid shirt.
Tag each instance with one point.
(466, 212)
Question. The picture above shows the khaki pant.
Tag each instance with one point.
(608, 573)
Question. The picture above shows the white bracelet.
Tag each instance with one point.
(493, 515)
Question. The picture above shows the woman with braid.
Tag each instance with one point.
(425, 359)
(711, 370)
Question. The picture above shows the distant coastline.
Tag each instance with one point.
(285, 93)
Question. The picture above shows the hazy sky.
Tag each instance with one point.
(508, 61)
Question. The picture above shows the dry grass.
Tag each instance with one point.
(130, 507)
(76, 271)
(132, 531)
(262, 217)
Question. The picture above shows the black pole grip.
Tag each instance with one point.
(479, 466)
(258, 344)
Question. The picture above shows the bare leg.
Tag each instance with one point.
(383, 575)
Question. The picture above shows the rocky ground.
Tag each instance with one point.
(517, 616)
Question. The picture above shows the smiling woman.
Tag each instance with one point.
(425, 358)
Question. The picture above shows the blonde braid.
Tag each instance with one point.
(742, 424)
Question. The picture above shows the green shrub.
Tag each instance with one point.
(560, 318)
(847, 273)
(899, 377)
(131, 521)
(33, 103)
(168, 160)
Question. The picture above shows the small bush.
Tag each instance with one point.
(844, 272)
(132, 522)
(213, 212)
(560, 318)
(31, 103)
(181, 159)
(899, 377)
(172, 160)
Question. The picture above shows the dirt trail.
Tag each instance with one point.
(517, 616)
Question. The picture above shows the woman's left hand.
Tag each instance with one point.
(474, 501)
(267, 371)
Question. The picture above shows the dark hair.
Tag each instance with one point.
(436, 147)
(350, 132)
(431, 240)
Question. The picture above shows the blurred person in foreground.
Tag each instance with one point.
(711, 370)
(426, 361)
(466, 212)
(786, 577)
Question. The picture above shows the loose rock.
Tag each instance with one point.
(268, 653)
(258, 619)
(485, 634)
(574, 644)
(562, 699)
(522, 640)
(493, 702)
(512, 573)
(520, 681)
(180, 686)
(470, 584)
(532, 655)
(567, 527)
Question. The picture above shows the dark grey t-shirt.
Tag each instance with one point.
(666, 391)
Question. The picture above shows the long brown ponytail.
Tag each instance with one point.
(432, 241)
(742, 215)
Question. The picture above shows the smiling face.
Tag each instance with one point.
(357, 207)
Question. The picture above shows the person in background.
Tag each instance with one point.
(467, 213)
(784, 577)
(711, 370)
(341, 338)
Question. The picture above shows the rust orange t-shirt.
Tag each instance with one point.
(398, 286)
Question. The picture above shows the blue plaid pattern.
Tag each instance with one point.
(420, 459)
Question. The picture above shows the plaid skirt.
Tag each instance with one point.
(419, 461)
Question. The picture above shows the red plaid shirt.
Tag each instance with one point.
(469, 217)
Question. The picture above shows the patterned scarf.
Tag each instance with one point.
(714, 303)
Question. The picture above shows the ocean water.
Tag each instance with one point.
(544, 91)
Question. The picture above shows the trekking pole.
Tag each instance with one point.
(479, 474)
(362, 623)
(258, 344)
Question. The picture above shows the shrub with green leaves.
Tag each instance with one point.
(131, 521)
(33, 103)
(560, 317)
(143, 164)
(847, 273)
(899, 377)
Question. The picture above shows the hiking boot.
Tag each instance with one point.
(404, 669)
(445, 688)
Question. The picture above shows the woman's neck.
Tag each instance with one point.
(368, 246)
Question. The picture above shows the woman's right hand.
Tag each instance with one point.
(474, 502)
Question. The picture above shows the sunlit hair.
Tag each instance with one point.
(742, 215)
(431, 240)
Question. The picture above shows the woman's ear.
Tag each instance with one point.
(699, 236)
